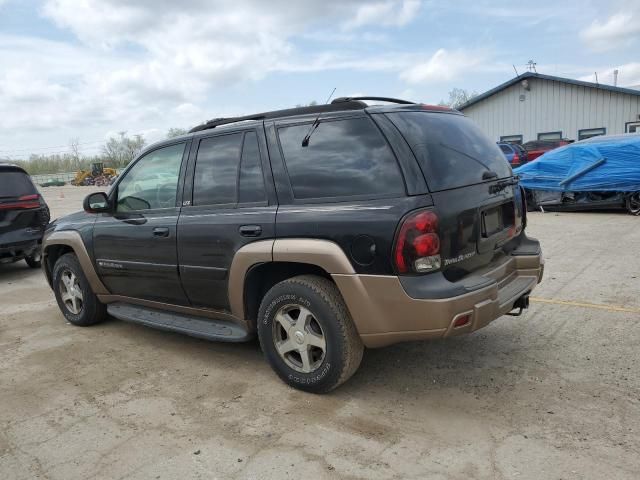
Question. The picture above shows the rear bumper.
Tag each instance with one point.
(384, 313)
(17, 251)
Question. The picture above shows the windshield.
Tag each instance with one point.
(451, 149)
(15, 184)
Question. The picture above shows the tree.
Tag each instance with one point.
(119, 151)
(458, 96)
(176, 132)
(312, 103)
(74, 148)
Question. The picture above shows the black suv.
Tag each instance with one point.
(321, 229)
(23, 217)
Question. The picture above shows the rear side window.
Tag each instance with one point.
(451, 149)
(251, 183)
(344, 158)
(505, 149)
(216, 170)
(15, 184)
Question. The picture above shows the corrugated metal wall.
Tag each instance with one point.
(550, 106)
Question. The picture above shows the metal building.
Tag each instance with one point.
(533, 106)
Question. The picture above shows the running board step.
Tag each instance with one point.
(209, 329)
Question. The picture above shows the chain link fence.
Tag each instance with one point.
(60, 177)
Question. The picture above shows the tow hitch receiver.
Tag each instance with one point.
(520, 304)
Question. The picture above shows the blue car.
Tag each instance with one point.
(514, 153)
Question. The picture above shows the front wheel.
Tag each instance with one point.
(307, 334)
(76, 300)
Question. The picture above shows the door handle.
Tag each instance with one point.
(250, 230)
(161, 232)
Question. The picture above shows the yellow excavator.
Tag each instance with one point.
(98, 175)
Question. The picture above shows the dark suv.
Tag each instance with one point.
(24, 216)
(321, 229)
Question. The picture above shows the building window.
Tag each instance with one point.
(511, 138)
(591, 132)
(550, 136)
(632, 127)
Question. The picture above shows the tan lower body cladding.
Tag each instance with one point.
(384, 314)
(379, 306)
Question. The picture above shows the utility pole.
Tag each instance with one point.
(531, 65)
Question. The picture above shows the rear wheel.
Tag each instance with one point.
(633, 203)
(76, 300)
(307, 334)
(34, 261)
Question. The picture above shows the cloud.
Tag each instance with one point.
(443, 66)
(187, 54)
(389, 13)
(628, 75)
(159, 63)
(620, 30)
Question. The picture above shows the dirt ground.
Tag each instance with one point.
(554, 394)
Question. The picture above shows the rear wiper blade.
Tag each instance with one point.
(502, 184)
(484, 165)
(316, 122)
(307, 137)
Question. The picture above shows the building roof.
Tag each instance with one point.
(526, 75)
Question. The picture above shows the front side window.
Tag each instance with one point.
(216, 172)
(343, 158)
(152, 182)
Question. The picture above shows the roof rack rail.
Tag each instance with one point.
(350, 104)
(380, 99)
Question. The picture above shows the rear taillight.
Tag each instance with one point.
(516, 159)
(24, 202)
(417, 246)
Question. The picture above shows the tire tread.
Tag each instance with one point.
(93, 311)
(353, 346)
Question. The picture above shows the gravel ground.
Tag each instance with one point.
(554, 394)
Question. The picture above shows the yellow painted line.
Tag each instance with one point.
(610, 308)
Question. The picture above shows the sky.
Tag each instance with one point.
(87, 69)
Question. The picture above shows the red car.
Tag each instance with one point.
(535, 148)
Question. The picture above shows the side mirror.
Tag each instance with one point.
(96, 203)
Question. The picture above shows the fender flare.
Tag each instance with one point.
(321, 253)
(73, 239)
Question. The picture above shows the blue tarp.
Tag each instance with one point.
(607, 163)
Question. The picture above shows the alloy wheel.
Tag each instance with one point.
(633, 203)
(299, 338)
(71, 292)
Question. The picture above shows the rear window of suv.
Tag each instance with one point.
(451, 149)
(15, 184)
(344, 158)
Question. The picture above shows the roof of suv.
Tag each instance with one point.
(338, 105)
(11, 167)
